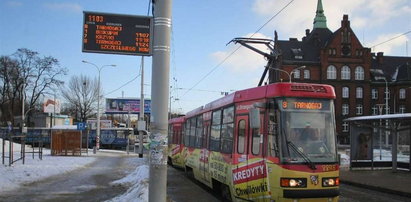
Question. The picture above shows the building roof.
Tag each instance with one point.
(394, 68)
(307, 50)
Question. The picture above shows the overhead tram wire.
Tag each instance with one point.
(232, 53)
(403, 34)
(128, 82)
(133, 79)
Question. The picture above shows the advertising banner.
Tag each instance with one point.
(126, 105)
(361, 143)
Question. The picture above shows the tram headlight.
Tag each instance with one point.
(331, 181)
(293, 182)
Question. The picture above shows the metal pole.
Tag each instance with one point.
(386, 112)
(98, 112)
(54, 109)
(98, 101)
(159, 93)
(141, 118)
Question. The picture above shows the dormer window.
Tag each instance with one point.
(297, 53)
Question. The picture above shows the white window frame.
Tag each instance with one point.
(307, 74)
(296, 73)
(345, 127)
(374, 110)
(345, 109)
(359, 109)
(345, 92)
(345, 73)
(402, 93)
(359, 73)
(359, 92)
(374, 93)
(331, 72)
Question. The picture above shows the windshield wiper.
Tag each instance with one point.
(310, 164)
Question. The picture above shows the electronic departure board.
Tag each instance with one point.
(117, 34)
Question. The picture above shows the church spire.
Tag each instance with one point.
(320, 21)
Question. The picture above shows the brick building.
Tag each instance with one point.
(359, 76)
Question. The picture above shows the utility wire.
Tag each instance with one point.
(235, 50)
(391, 39)
(128, 82)
(133, 79)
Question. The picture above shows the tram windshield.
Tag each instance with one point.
(307, 129)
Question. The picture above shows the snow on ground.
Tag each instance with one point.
(35, 169)
(138, 183)
(11, 177)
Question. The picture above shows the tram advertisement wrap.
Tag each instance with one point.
(250, 180)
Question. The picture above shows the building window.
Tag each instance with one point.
(402, 93)
(359, 110)
(345, 92)
(331, 72)
(359, 73)
(345, 127)
(306, 74)
(374, 94)
(402, 109)
(374, 110)
(359, 92)
(296, 74)
(387, 93)
(345, 73)
(345, 109)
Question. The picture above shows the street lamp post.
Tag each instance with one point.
(386, 106)
(291, 73)
(98, 100)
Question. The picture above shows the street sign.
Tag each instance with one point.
(117, 33)
(81, 126)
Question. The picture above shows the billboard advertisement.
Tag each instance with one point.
(51, 105)
(126, 105)
(103, 123)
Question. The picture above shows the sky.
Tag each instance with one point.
(201, 32)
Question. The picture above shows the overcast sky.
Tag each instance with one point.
(201, 31)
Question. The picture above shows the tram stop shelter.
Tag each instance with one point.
(380, 141)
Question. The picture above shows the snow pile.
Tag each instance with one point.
(138, 183)
(11, 177)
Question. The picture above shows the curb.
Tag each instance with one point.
(376, 188)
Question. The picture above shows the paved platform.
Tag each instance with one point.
(379, 180)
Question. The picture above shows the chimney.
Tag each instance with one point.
(307, 32)
(345, 22)
(380, 56)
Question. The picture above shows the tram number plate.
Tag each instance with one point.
(329, 168)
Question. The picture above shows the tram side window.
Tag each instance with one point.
(192, 131)
(206, 129)
(227, 130)
(199, 133)
(241, 137)
(215, 131)
(187, 133)
(256, 142)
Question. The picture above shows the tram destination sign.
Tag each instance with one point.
(117, 34)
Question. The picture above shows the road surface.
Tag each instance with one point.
(86, 184)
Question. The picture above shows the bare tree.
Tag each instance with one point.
(81, 96)
(27, 74)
